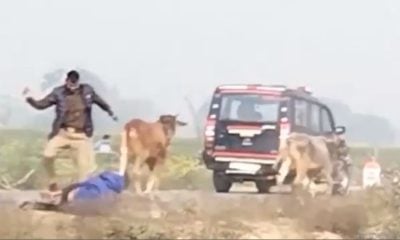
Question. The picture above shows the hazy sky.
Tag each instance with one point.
(166, 49)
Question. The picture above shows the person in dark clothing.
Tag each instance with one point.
(73, 125)
(107, 184)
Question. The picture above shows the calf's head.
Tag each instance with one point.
(169, 123)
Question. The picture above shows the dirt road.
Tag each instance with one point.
(174, 199)
(240, 214)
(238, 191)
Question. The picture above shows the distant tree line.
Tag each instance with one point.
(368, 128)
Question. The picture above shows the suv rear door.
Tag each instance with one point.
(254, 131)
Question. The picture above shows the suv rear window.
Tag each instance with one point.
(249, 108)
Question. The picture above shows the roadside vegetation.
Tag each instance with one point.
(20, 152)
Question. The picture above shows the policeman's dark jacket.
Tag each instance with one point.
(57, 97)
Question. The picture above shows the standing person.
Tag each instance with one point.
(73, 124)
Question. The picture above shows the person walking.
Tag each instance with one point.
(73, 124)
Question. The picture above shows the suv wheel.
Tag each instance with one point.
(264, 186)
(343, 186)
(222, 183)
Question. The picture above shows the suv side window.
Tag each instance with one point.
(326, 121)
(314, 123)
(300, 113)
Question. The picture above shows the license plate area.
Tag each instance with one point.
(250, 138)
(247, 142)
(243, 168)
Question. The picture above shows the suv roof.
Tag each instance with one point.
(282, 90)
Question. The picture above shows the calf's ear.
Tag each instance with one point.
(180, 123)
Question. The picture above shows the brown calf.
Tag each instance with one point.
(146, 143)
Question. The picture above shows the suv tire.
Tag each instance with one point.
(343, 188)
(264, 186)
(222, 183)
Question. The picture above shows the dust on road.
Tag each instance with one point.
(195, 214)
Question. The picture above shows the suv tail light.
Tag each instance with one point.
(284, 128)
(209, 132)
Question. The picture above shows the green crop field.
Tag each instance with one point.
(20, 151)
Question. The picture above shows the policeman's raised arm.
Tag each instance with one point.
(43, 103)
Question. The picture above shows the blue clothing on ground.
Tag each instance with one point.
(105, 184)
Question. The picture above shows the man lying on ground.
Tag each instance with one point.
(104, 185)
(102, 188)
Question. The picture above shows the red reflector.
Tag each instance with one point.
(285, 126)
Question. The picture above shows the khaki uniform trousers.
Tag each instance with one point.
(80, 142)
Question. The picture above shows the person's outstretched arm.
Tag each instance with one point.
(103, 105)
(43, 103)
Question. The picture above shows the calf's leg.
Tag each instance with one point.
(283, 171)
(123, 160)
(137, 173)
(301, 173)
(153, 180)
(329, 180)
